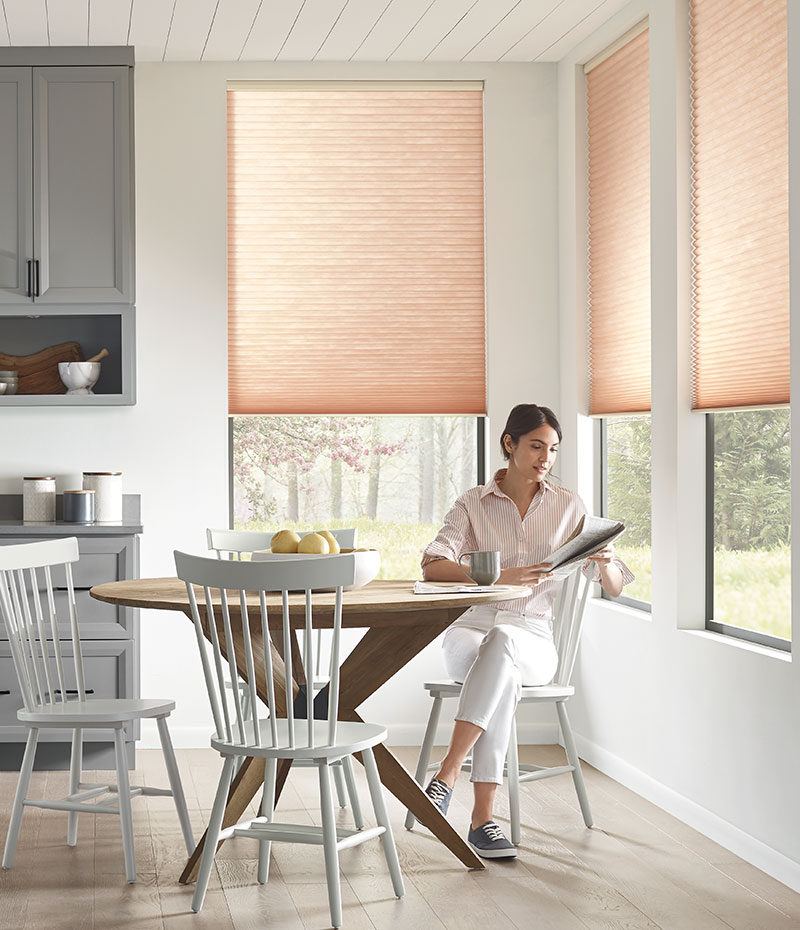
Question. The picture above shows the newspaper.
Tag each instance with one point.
(425, 587)
(590, 535)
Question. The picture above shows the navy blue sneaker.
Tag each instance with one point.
(439, 793)
(489, 841)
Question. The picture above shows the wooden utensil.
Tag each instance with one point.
(38, 373)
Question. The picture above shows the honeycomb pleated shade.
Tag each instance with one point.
(355, 251)
(740, 204)
(618, 112)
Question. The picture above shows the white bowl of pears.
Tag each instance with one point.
(287, 544)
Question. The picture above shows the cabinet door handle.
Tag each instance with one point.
(74, 691)
(5, 692)
(29, 285)
(36, 277)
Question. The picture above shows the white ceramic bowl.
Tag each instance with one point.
(367, 563)
(3, 387)
(79, 377)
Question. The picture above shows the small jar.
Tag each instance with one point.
(38, 500)
(107, 487)
(79, 506)
(11, 381)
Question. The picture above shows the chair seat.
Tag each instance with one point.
(350, 737)
(95, 712)
(529, 693)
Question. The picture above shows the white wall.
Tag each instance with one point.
(702, 724)
(172, 446)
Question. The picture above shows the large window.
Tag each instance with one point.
(749, 503)
(393, 478)
(626, 496)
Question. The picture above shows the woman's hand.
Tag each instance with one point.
(527, 575)
(604, 556)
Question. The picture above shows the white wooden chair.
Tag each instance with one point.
(233, 544)
(279, 737)
(44, 676)
(568, 619)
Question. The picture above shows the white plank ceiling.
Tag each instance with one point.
(311, 30)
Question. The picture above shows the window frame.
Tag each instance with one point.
(480, 442)
(712, 625)
(602, 496)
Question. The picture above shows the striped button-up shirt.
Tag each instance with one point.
(486, 518)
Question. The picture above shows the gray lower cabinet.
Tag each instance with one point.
(109, 634)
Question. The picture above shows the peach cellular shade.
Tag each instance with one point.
(618, 103)
(740, 204)
(355, 251)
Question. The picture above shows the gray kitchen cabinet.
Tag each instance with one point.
(109, 634)
(66, 190)
(82, 210)
(16, 184)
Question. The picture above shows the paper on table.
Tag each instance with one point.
(424, 587)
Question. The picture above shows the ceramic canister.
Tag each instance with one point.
(39, 500)
(107, 486)
(79, 506)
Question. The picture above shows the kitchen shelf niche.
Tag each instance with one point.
(113, 329)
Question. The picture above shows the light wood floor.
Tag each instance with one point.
(638, 868)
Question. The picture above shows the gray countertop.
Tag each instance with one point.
(12, 524)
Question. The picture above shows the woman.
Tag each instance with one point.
(495, 649)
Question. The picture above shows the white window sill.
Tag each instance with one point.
(603, 605)
(768, 651)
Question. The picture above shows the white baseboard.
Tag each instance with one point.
(401, 734)
(721, 831)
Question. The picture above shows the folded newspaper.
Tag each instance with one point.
(425, 587)
(590, 536)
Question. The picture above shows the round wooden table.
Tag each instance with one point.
(399, 625)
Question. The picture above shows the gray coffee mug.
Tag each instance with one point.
(484, 567)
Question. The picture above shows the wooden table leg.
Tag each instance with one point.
(397, 780)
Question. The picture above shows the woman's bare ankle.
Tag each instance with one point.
(448, 776)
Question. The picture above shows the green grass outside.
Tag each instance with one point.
(752, 589)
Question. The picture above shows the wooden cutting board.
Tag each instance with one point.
(38, 373)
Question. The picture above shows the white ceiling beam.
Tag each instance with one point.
(353, 26)
(314, 23)
(109, 21)
(68, 22)
(472, 29)
(270, 29)
(189, 29)
(431, 29)
(232, 24)
(27, 22)
(150, 21)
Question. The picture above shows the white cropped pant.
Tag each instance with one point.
(494, 659)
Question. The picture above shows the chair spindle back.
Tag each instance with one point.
(25, 576)
(216, 579)
(568, 622)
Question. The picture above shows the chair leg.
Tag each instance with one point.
(425, 752)
(124, 801)
(338, 780)
(352, 792)
(575, 762)
(513, 784)
(379, 806)
(75, 765)
(329, 841)
(212, 834)
(21, 794)
(175, 783)
(267, 810)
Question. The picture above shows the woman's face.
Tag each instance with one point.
(535, 453)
